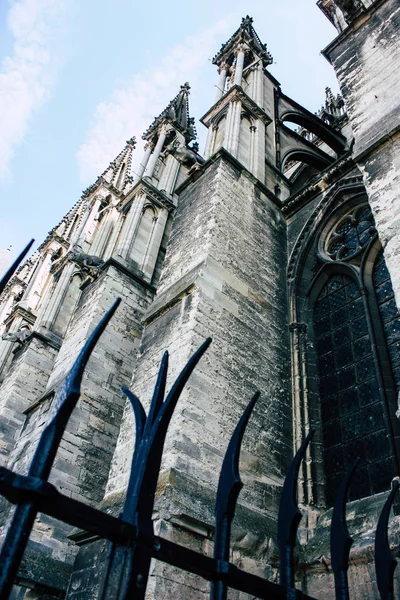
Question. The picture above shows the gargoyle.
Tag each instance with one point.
(186, 156)
(86, 261)
(20, 336)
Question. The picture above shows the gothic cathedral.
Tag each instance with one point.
(282, 242)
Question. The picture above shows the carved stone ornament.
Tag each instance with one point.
(20, 336)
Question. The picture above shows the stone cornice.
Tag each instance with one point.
(225, 155)
(124, 268)
(342, 166)
(159, 198)
(19, 311)
(235, 93)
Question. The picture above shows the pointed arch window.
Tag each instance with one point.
(357, 340)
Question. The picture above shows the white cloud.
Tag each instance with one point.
(133, 106)
(28, 74)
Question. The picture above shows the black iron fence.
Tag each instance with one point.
(132, 541)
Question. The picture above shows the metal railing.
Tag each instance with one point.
(132, 541)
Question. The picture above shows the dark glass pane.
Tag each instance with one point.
(368, 392)
(341, 336)
(332, 434)
(322, 327)
(334, 460)
(353, 290)
(347, 377)
(356, 309)
(337, 300)
(384, 291)
(326, 366)
(321, 309)
(365, 369)
(351, 426)
(359, 327)
(373, 418)
(381, 273)
(381, 474)
(324, 344)
(339, 317)
(348, 401)
(388, 310)
(376, 446)
(394, 351)
(353, 421)
(332, 486)
(344, 356)
(362, 347)
(334, 283)
(360, 484)
(329, 409)
(353, 449)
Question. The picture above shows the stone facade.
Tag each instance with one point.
(282, 245)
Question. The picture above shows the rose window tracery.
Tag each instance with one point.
(351, 234)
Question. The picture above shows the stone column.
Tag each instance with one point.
(300, 411)
(6, 346)
(130, 225)
(37, 283)
(143, 163)
(116, 222)
(221, 82)
(50, 310)
(102, 234)
(153, 249)
(239, 67)
(169, 175)
(208, 150)
(78, 234)
(234, 145)
(157, 151)
(259, 85)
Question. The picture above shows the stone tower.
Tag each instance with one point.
(272, 243)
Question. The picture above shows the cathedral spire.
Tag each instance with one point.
(243, 49)
(173, 123)
(177, 114)
(118, 172)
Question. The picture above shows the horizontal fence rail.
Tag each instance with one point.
(132, 541)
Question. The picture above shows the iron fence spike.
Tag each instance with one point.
(139, 414)
(341, 541)
(289, 516)
(385, 563)
(159, 390)
(10, 272)
(229, 487)
(43, 458)
(139, 506)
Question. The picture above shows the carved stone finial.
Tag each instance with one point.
(131, 142)
(185, 87)
(246, 22)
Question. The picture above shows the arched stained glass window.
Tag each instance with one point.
(352, 412)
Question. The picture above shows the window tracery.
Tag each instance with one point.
(357, 341)
(350, 234)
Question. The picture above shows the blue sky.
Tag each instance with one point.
(78, 78)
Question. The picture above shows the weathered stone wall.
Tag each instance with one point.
(365, 58)
(82, 463)
(222, 277)
(34, 363)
